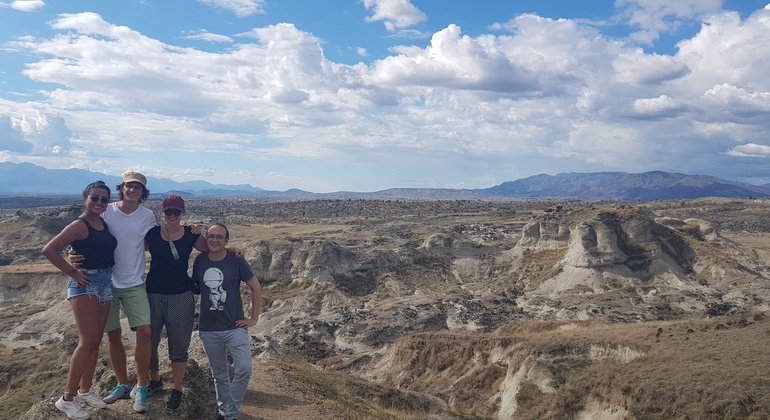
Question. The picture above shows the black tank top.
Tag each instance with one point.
(98, 248)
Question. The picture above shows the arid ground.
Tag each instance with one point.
(459, 309)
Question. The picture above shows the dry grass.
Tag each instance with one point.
(6, 228)
(693, 369)
(336, 392)
(41, 267)
(11, 316)
(684, 369)
(29, 375)
(751, 240)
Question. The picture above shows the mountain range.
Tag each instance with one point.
(27, 179)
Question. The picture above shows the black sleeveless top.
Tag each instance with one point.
(98, 248)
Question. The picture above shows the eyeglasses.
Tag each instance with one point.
(169, 212)
(96, 198)
(217, 237)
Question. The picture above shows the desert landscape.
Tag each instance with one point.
(448, 309)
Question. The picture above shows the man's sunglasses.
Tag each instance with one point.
(96, 198)
(174, 212)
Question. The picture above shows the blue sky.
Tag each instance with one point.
(365, 95)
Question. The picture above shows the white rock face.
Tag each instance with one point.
(592, 246)
(317, 260)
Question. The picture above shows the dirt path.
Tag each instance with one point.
(271, 396)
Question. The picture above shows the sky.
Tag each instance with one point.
(367, 95)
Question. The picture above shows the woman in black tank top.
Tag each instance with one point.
(89, 293)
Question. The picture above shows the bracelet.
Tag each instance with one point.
(71, 272)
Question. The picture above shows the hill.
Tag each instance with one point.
(25, 179)
(655, 185)
(29, 179)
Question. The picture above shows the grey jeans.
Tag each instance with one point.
(229, 392)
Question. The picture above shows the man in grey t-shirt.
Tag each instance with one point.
(223, 326)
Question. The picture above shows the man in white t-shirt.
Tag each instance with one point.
(129, 221)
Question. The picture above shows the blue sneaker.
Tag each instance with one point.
(120, 392)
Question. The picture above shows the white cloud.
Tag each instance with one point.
(662, 106)
(603, 144)
(7, 157)
(34, 133)
(656, 16)
(750, 150)
(397, 14)
(199, 172)
(639, 68)
(11, 137)
(207, 36)
(547, 93)
(729, 50)
(738, 102)
(241, 8)
(47, 134)
(25, 5)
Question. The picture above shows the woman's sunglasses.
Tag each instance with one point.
(174, 212)
(96, 198)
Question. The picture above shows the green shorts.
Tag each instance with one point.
(135, 306)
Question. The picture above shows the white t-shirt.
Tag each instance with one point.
(129, 229)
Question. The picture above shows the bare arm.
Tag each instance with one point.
(256, 304)
(52, 250)
(200, 244)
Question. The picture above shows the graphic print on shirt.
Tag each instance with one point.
(213, 279)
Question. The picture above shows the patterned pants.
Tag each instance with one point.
(177, 314)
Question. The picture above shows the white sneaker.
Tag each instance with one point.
(91, 399)
(72, 409)
(139, 395)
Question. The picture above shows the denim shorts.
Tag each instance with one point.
(101, 282)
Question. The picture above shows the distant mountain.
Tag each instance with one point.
(28, 179)
(655, 185)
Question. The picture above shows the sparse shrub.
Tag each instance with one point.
(529, 397)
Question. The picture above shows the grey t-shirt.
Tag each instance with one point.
(220, 283)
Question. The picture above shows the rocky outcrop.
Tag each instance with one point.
(418, 304)
(491, 376)
(315, 260)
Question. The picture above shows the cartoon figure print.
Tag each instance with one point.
(213, 279)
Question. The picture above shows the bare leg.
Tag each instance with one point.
(117, 355)
(88, 374)
(178, 369)
(90, 317)
(142, 354)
